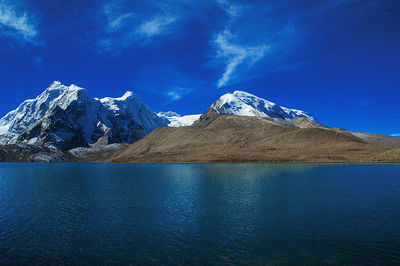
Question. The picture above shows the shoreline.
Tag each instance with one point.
(204, 163)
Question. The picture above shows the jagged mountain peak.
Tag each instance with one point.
(243, 93)
(74, 88)
(127, 95)
(58, 91)
(56, 85)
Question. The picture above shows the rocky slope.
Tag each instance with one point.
(65, 117)
(33, 153)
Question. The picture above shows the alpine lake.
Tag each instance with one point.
(274, 214)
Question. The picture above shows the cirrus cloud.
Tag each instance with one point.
(235, 55)
(16, 22)
(156, 26)
(125, 27)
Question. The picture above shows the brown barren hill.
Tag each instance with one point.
(217, 138)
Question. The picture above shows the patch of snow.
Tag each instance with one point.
(168, 114)
(176, 120)
(4, 129)
(82, 151)
(45, 158)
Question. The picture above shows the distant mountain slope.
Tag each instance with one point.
(176, 120)
(66, 117)
(228, 138)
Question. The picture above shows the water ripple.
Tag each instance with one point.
(199, 214)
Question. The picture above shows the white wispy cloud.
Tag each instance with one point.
(395, 135)
(172, 84)
(125, 27)
(263, 34)
(234, 55)
(232, 49)
(230, 9)
(157, 26)
(17, 23)
(119, 21)
(116, 15)
(177, 93)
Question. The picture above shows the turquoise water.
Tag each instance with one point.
(202, 214)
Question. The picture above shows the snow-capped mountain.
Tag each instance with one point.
(245, 104)
(176, 120)
(65, 117)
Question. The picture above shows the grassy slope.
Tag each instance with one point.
(222, 138)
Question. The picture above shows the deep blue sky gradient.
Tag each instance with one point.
(338, 60)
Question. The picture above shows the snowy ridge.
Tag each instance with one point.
(129, 105)
(65, 117)
(176, 120)
(245, 104)
(30, 110)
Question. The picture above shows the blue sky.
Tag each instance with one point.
(338, 60)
